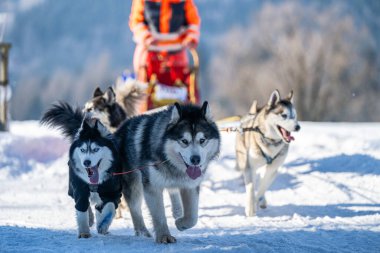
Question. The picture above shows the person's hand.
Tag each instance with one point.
(149, 41)
(189, 42)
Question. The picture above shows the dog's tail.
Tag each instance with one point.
(64, 117)
(129, 94)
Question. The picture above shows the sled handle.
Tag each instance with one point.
(193, 75)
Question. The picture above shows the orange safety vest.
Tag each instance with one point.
(168, 22)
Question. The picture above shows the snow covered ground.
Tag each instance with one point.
(325, 199)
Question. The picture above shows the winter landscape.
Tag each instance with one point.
(325, 199)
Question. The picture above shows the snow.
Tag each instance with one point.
(325, 199)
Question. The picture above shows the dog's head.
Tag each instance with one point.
(281, 116)
(104, 107)
(192, 138)
(92, 151)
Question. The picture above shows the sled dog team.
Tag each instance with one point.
(115, 153)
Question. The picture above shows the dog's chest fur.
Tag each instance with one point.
(162, 177)
(259, 148)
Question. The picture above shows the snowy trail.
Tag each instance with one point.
(325, 199)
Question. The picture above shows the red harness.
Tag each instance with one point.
(139, 168)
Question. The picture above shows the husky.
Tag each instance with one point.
(262, 145)
(112, 107)
(175, 145)
(93, 157)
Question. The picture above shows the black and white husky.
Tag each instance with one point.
(263, 145)
(93, 157)
(175, 145)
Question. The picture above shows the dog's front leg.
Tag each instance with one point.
(104, 217)
(175, 199)
(190, 200)
(250, 179)
(83, 224)
(133, 194)
(155, 203)
(267, 180)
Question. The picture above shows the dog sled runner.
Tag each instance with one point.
(171, 77)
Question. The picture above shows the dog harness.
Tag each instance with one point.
(80, 191)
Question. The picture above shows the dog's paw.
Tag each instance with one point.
(166, 239)
(84, 235)
(103, 227)
(144, 233)
(183, 223)
(262, 203)
(250, 211)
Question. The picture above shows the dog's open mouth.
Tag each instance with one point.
(193, 171)
(286, 135)
(93, 173)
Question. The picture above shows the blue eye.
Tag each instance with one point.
(82, 150)
(184, 141)
(201, 141)
(95, 150)
(284, 116)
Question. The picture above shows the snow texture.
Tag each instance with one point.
(326, 198)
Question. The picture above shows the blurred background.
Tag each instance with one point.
(326, 51)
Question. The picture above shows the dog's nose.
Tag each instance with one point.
(87, 163)
(298, 127)
(195, 159)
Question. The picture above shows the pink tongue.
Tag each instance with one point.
(287, 135)
(94, 178)
(194, 172)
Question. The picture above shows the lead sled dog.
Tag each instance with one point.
(176, 146)
(263, 144)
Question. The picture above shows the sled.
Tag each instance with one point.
(170, 78)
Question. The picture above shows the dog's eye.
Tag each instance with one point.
(201, 141)
(83, 150)
(95, 150)
(284, 116)
(184, 141)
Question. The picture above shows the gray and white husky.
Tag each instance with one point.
(262, 145)
(175, 145)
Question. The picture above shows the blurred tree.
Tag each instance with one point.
(327, 57)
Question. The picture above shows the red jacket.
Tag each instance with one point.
(169, 23)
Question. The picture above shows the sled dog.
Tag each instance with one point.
(113, 107)
(93, 157)
(262, 145)
(176, 145)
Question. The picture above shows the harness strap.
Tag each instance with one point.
(139, 168)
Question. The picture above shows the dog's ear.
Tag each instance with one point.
(109, 95)
(290, 97)
(176, 114)
(273, 99)
(101, 129)
(253, 109)
(206, 112)
(97, 92)
(84, 127)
